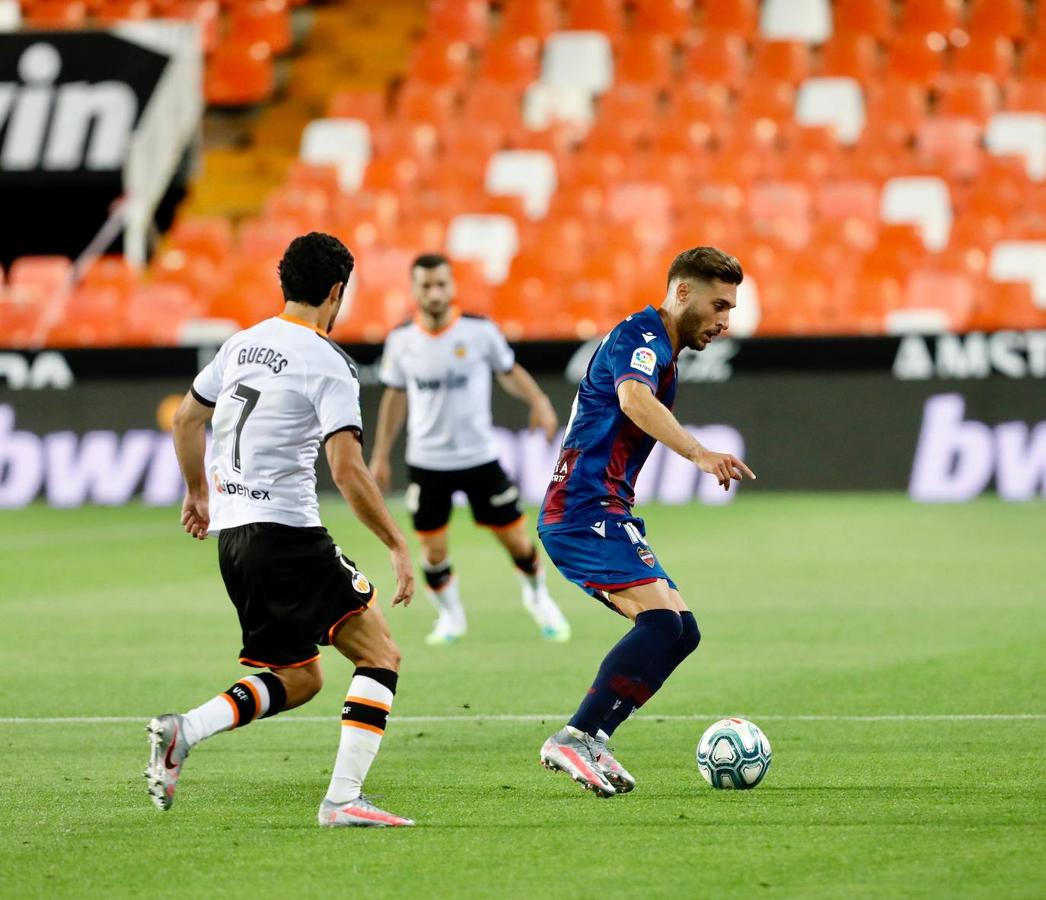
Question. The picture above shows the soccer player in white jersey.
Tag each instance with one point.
(274, 394)
(437, 375)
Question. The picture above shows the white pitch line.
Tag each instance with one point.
(555, 717)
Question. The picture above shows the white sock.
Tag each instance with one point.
(535, 582)
(362, 726)
(447, 599)
(221, 713)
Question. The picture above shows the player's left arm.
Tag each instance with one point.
(518, 382)
(189, 430)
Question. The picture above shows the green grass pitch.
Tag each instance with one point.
(893, 654)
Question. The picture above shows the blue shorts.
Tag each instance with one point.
(605, 556)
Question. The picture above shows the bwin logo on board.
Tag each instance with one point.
(76, 125)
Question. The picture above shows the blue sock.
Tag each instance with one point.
(659, 671)
(620, 678)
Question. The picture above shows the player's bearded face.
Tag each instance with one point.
(434, 290)
(707, 312)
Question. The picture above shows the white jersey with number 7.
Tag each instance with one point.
(279, 390)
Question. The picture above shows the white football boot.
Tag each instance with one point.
(545, 613)
(450, 628)
(358, 813)
(574, 752)
(168, 750)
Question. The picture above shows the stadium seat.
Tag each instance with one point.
(420, 102)
(926, 320)
(206, 14)
(629, 101)
(10, 16)
(155, 315)
(894, 108)
(950, 146)
(529, 19)
(1004, 18)
(1006, 304)
(345, 143)
(787, 61)
(809, 21)
(849, 55)
(837, 102)
(580, 58)
(644, 59)
(530, 174)
(781, 210)
(494, 104)
(239, 74)
(545, 104)
(919, 17)
(989, 55)
(1021, 261)
(951, 293)
(265, 21)
(264, 239)
(862, 17)
(92, 317)
(111, 11)
(439, 63)
(56, 14)
(924, 201)
(606, 16)
(356, 103)
(738, 17)
(202, 236)
(665, 17)
(490, 240)
(1026, 95)
(1021, 133)
(1033, 62)
(716, 59)
(52, 274)
(973, 97)
(111, 272)
(636, 201)
(845, 200)
(461, 20)
(917, 57)
(511, 61)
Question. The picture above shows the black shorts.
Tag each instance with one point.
(493, 497)
(291, 587)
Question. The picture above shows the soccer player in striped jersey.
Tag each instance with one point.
(275, 394)
(587, 524)
(437, 375)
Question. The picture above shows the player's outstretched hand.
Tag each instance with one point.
(382, 473)
(196, 518)
(725, 466)
(543, 417)
(404, 570)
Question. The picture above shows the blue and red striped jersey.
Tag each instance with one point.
(603, 450)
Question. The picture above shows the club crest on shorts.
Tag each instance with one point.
(647, 555)
(360, 583)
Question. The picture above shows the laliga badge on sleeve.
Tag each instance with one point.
(644, 359)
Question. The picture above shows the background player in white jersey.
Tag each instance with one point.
(275, 393)
(438, 367)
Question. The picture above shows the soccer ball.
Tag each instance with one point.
(733, 753)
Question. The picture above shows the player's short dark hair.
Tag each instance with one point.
(429, 261)
(706, 264)
(312, 264)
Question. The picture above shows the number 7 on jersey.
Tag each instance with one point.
(249, 397)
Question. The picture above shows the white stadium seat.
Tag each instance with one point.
(745, 318)
(10, 15)
(1022, 133)
(489, 239)
(581, 59)
(923, 201)
(832, 101)
(917, 321)
(1021, 261)
(344, 143)
(796, 20)
(530, 174)
(546, 104)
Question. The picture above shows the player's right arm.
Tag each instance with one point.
(189, 430)
(638, 402)
(353, 479)
(392, 413)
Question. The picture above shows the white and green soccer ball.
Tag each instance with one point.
(734, 753)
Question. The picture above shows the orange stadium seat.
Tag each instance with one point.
(420, 101)
(850, 55)
(1026, 95)
(670, 18)
(740, 17)
(50, 274)
(511, 60)
(972, 96)
(93, 316)
(596, 15)
(644, 60)
(20, 312)
(918, 17)
(718, 59)
(494, 105)
(239, 74)
(917, 57)
(266, 237)
(949, 292)
(263, 21)
(950, 146)
(111, 11)
(781, 209)
(436, 62)
(847, 200)
(156, 313)
(1007, 304)
(358, 103)
(198, 236)
(1005, 18)
(781, 61)
(629, 101)
(863, 17)
(1033, 64)
(112, 272)
(529, 19)
(205, 13)
(460, 20)
(989, 55)
(56, 14)
(894, 108)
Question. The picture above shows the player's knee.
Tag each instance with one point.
(435, 556)
(665, 621)
(691, 634)
(385, 655)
